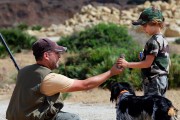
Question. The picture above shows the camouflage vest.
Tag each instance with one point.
(27, 102)
(157, 46)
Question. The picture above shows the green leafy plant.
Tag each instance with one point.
(16, 40)
(174, 75)
(96, 51)
(22, 26)
(36, 27)
(177, 41)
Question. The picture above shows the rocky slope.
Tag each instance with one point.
(43, 12)
(91, 15)
(63, 17)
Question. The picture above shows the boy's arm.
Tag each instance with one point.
(142, 64)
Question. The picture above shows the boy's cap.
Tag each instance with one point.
(149, 14)
(44, 44)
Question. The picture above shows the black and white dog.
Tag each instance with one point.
(132, 107)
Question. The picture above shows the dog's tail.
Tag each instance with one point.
(173, 112)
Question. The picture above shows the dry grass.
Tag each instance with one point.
(98, 95)
(174, 48)
(7, 69)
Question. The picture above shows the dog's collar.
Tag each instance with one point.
(120, 94)
(124, 91)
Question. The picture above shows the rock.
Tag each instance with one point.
(92, 15)
(172, 31)
(165, 6)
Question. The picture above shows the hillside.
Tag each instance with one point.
(43, 12)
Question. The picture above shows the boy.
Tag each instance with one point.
(155, 60)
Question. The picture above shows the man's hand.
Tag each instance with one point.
(114, 70)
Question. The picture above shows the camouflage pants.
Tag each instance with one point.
(155, 86)
(66, 116)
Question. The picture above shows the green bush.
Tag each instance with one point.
(99, 35)
(2, 51)
(177, 41)
(36, 27)
(16, 40)
(96, 51)
(22, 26)
(174, 75)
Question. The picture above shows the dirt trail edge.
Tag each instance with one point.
(85, 111)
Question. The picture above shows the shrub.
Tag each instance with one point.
(177, 41)
(174, 75)
(2, 51)
(36, 27)
(22, 26)
(16, 40)
(96, 51)
(99, 35)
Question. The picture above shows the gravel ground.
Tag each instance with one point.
(92, 104)
(92, 111)
(85, 111)
(3, 107)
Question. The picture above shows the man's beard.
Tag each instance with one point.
(57, 64)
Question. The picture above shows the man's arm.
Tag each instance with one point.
(94, 81)
(54, 83)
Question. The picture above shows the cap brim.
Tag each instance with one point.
(138, 22)
(60, 49)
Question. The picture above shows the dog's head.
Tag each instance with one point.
(117, 87)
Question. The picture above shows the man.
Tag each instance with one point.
(36, 94)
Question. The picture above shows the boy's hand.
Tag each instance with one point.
(122, 63)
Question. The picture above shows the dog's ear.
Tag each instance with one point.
(110, 84)
(126, 86)
(117, 87)
(114, 92)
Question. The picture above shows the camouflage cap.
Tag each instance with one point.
(149, 14)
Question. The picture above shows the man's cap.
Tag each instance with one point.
(44, 44)
(149, 14)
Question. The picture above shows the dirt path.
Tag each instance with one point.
(92, 104)
(3, 107)
(85, 111)
(92, 111)
(89, 105)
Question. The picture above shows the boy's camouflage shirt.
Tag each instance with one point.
(157, 46)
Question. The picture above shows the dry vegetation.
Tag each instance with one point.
(98, 95)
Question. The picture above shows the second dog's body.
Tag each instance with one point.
(132, 107)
